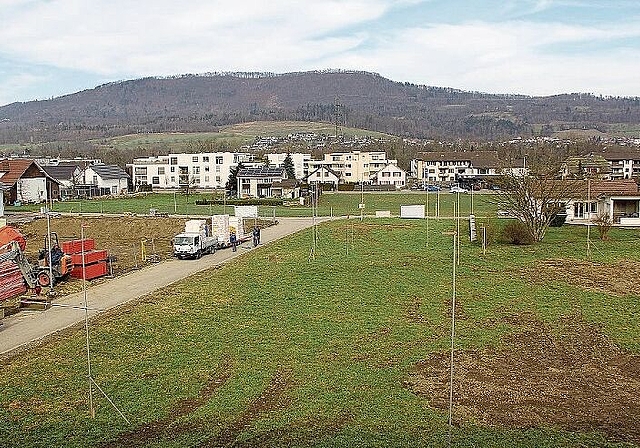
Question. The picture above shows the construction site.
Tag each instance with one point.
(42, 259)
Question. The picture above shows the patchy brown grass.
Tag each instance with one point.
(579, 381)
(168, 427)
(588, 275)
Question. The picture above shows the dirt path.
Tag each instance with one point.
(30, 327)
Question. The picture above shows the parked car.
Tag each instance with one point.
(433, 188)
(456, 189)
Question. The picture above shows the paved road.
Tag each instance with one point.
(28, 327)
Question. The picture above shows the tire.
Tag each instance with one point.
(198, 254)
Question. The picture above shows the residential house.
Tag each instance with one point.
(354, 166)
(27, 182)
(590, 165)
(258, 182)
(104, 180)
(323, 176)
(177, 170)
(619, 199)
(390, 175)
(286, 189)
(68, 175)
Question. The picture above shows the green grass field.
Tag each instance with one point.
(330, 204)
(280, 348)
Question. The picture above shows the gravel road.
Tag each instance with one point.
(27, 328)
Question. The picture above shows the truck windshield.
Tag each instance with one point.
(182, 240)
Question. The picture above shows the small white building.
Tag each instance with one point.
(324, 176)
(390, 175)
(619, 199)
(109, 179)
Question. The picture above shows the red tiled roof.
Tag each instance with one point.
(599, 188)
(13, 169)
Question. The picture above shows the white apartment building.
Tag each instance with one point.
(300, 162)
(354, 166)
(199, 170)
(449, 167)
(624, 162)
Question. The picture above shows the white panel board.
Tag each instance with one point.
(412, 211)
(383, 214)
(246, 211)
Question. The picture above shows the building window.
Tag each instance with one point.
(196, 170)
(173, 169)
(140, 171)
(173, 161)
(206, 179)
(205, 158)
(206, 169)
(194, 159)
(155, 180)
(95, 180)
(219, 160)
(173, 179)
(160, 170)
(386, 174)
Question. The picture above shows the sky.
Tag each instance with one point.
(50, 48)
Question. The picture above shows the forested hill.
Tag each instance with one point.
(357, 99)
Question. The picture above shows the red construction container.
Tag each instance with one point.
(90, 257)
(76, 246)
(92, 271)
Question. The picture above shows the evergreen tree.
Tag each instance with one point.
(287, 164)
(232, 183)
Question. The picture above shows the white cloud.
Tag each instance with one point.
(505, 58)
(117, 39)
(121, 37)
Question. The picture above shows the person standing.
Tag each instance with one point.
(256, 236)
(234, 241)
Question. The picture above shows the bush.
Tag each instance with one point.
(515, 232)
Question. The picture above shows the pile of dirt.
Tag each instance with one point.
(578, 381)
(602, 277)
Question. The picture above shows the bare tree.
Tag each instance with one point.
(536, 198)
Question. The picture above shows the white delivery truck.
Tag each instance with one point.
(195, 241)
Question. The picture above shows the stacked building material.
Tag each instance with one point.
(11, 281)
(84, 253)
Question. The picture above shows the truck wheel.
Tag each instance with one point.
(198, 254)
